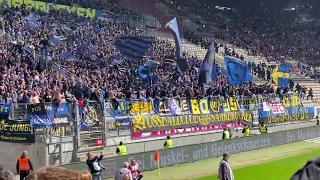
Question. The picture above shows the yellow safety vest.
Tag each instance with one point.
(263, 129)
(247, 132)
(226, 134)
(123, 150)
(169, 143)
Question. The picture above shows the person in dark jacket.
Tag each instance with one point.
(311, 171)
(94, 166)
(24, 165)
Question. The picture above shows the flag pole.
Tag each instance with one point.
(157, 159)
(159, 175)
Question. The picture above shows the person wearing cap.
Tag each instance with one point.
(123, 173)
(168, 143)
(24, 165)
(225, 171)
(226, 134)
(262, 128)
(121, 150)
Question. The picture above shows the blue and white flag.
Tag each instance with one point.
(238, 72)
(208, 67)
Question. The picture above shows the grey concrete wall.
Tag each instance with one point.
(136, 146)
(10, 152)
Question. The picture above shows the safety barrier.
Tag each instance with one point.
(187, 154)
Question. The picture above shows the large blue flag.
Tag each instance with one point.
(181, 62)
(134, 47)
(238, 72)
(281, 75)
(145, 71)
(208, 71)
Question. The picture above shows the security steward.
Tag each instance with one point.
(226, 134)
(318, 120)
(262, 128)
(121, 150)
(246, 131)
(168, 143)
(24, 165)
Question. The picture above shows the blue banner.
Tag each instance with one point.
(89, 117)
(42, 115)
(238, 72)
(291, 114)
(281, 75)
(186, 106)
(5, 109)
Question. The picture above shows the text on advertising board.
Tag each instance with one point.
(186, 154)
(16, 131)
(155, 122)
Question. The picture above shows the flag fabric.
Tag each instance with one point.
(281, 75)
(145, 71)
(133, 47)
(31, 25)
(237, 71)
(157, 159)
(208, 67)
(181, 62)
(173, 25)
(68, 56)
(32, 17)
(57, 40)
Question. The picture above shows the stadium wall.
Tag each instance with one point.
(191, 153)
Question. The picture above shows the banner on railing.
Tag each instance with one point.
(290, 114)
(5, 109)
(89, 115)
(169, 132)
(15, 131)
(42, 115)
(44, 6)
(159, 123)
(194, 106)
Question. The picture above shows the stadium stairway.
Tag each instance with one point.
(308, 83)
(148, 7)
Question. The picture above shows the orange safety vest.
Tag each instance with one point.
(24, 164)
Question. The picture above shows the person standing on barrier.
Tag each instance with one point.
(121, 150)
(226, 134)
(94, 165)
(168, 143)
(24, 165)
(246, 131)
(225, 171)
(262, 128)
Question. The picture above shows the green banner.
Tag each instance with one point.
(185, 154)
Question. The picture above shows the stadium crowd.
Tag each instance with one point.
(268, 31)
(96, 67)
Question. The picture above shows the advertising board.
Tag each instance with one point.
(186, 154)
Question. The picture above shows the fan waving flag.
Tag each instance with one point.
(208, 67)
(182, 63)
(173, 25)
(238, 72)
(281, 75)
(134, 47)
